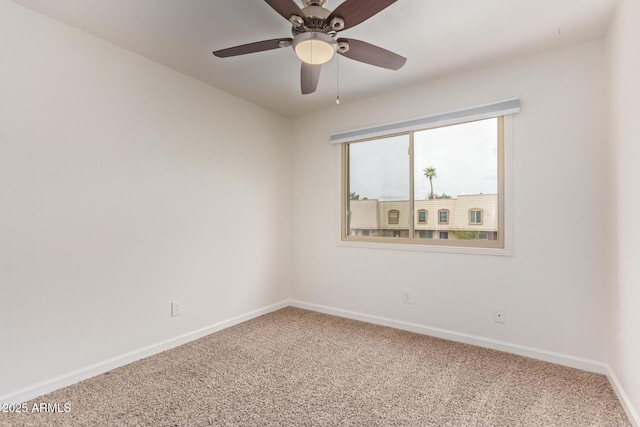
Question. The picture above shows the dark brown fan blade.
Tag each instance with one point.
(356, 11)
(374, 55)
(251, 48)
(286, 8)
(309, 77)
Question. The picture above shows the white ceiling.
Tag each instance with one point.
(437, 36)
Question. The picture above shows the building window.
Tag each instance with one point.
(394, 216)
(475, 216)
(443, 216)
(365, 232)
(425, 234)
(455, 170)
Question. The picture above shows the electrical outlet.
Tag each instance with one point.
(499, 315)
(407, 297)
(176, 308)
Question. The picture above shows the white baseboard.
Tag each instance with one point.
(623, 398)
(534, 353)
(44, 387)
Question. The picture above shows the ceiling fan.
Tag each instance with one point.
(315, 41)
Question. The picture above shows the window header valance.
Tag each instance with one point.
(480, 112)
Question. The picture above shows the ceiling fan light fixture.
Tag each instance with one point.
(314, 48)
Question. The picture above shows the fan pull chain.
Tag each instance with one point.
(338, 81)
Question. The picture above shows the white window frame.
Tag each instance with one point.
(481, 216)
(505, 184)
(425, 231)
(426, 216)
(440, 212)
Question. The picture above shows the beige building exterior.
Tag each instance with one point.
(468, 217)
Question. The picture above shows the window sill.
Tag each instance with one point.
(506, 251)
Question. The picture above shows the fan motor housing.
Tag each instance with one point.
(316, 12)
(320, 3)
(315, 20)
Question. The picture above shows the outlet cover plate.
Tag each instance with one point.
(407, 296)
(176, 308)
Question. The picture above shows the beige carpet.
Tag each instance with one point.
(299, 368)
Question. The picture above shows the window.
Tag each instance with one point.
(394, 216)
(443, 216)
(475, 216)
(391, 181)
(455, 171)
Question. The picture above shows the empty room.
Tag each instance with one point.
(301, 212)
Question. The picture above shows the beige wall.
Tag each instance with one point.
(624, 251)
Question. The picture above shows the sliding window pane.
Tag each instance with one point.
(378, 188)
(456, 172)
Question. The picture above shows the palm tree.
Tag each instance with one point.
(430, 173)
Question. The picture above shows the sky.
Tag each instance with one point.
(465, 158)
